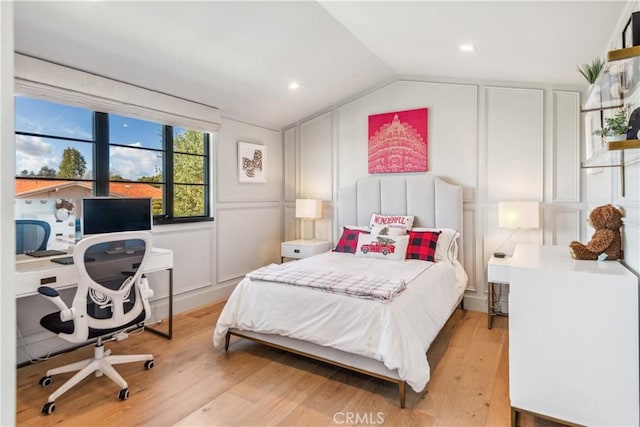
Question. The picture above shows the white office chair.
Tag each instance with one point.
(112, 296)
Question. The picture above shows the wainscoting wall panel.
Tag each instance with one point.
(514, 141)
(316, 157)
(566, 146)
(248, 238)
(290, 161)
(565, 224)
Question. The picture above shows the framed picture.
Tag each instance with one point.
(627, 37)
(631, 31)
(398, 142)
(252, 162)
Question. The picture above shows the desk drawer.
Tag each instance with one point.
(28, 282)
(159, 260)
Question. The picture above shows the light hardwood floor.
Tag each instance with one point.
(252, 385)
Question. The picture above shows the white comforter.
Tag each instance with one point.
(397, 333)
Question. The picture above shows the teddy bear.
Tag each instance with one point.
(606, 241)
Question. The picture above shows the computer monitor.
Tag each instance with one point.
(115, 214)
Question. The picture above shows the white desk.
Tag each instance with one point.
(573, 338)
(31, 273)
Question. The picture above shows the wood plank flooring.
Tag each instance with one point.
(253, 385)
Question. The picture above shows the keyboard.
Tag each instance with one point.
(68, 260)
(44, 253)
(64, 260)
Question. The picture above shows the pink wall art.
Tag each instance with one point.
(398, 141)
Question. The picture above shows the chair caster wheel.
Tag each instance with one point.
(148, 364)
(48, 408)
(123, 394)
(45, 382)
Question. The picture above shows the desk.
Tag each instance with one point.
(31, 273)
(573, 338)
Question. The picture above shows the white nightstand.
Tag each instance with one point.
(497, 272)
(302, 248)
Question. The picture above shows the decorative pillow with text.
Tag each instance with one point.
(397, 222)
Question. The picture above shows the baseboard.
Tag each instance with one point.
(475, 303)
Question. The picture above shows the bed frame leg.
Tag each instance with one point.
(227, 338)
(401, 390)
(515, 417)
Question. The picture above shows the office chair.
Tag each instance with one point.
(112, 296)
(31, 235)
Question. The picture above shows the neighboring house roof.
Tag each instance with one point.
(32, 187)
(134, 189)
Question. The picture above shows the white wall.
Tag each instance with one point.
(499, 141)
(248, 216)
(7, 230)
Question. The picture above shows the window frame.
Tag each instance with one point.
(101, 165)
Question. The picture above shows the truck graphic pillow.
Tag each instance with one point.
(382, 246)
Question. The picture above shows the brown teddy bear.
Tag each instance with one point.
(607, 240)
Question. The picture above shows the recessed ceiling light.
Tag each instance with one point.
(467, 47)
(294, 86)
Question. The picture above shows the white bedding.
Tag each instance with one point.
(365, 327)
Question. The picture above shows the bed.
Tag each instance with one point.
(362, 332)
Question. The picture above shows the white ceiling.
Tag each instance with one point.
(241, 56)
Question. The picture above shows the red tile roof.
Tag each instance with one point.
(29, 187)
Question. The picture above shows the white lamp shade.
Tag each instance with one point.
(308, 208)
(519, 214)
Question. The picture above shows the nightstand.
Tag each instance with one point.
(302, 248)
(497, 272)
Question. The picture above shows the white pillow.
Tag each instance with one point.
(382, 247)
(388, 231)
(357, 227)
(402, 222)
(447, 246)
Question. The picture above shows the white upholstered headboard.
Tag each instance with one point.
(433, 202)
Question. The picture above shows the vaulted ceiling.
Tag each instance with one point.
(242, 56)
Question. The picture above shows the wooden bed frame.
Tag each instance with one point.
(433, 203)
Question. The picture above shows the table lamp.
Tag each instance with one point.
(517, 216)
(309, 209)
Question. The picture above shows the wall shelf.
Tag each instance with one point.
(627, 144)
(622, 54)
(618, 79)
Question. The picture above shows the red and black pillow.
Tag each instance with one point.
(349, 240)
(422, 245)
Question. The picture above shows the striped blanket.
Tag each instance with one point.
(383, 290)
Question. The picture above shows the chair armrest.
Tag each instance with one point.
(48, 292)
(52, 295)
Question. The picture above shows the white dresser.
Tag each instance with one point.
(573, 338)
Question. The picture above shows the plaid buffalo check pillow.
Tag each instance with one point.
(349, 240)
(422, 245)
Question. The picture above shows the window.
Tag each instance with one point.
(70, 152)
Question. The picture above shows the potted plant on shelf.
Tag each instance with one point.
(616, 127)
(591, 71)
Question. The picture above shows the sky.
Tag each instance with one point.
(43, 117)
